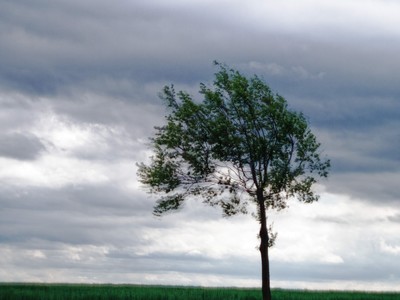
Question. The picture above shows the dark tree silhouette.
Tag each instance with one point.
(241, 145)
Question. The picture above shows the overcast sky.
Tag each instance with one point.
(79, 85)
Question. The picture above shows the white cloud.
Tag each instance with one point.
(37, 254)
(53, 171)
(322, 19)
(390, 249)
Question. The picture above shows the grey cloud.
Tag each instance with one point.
(141, 112)
(368, 150)
(377, 187)
(329, 219)
(185, 263)
(101, 63)
(20, 146)
(395, 218)
(351, 271)
(57, 51)
(96, 263)
(18, 112)
(93, 228)
(159, 47)
(43, 55)
(75, 215)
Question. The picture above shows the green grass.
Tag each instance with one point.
(137, 292)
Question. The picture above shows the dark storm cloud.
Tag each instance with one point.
(44, 51)
(163, 45)
(20, 146)
(50, 47)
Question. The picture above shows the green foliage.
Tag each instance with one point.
(239, 140)
(137, 292)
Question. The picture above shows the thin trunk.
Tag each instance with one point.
(266, 287)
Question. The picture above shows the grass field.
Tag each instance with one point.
(137, 292)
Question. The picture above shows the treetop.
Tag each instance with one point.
(240, 140)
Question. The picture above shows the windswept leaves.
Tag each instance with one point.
(240, 139)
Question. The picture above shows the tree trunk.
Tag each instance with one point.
(266, 287)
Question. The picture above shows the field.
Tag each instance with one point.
(137, 292)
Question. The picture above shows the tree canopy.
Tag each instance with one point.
(241, 138)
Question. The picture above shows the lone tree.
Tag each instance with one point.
(241, 145)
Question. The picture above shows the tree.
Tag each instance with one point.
(241, 145)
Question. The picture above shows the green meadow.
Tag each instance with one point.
(138, 292)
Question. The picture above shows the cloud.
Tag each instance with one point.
(394, 250)
(274, 69)
(394, 218)
(80, 98)
(20, 146)
(53, 59)
(85, 231)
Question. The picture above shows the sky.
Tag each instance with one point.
(79, 86)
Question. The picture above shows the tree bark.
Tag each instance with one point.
(266, 287)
